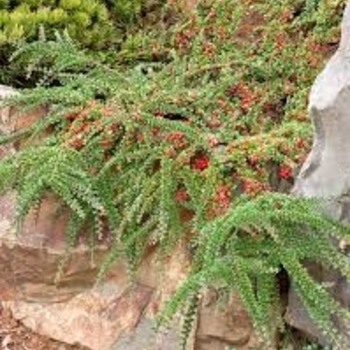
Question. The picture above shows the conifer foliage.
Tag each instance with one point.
(87, 21)
(95, 24)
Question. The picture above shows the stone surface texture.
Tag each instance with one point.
(326, 172)
(73, 310)
(113, 315)
(220, 326)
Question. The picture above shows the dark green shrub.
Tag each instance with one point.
(93, 23)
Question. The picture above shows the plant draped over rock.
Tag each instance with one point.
(203, 120)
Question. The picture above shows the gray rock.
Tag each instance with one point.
(326, 172)
(7, 91)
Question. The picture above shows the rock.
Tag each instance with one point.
(29, 261)
(73, 311)
(145, 338)
(13, 121)
(297, 315)
(220, 326)
(17, 336)
(94, 319)
(326, 172)
(114, 315)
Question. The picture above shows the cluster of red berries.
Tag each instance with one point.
(184, 39)
(177, 139)
(253, 187)
(82, 124)
(223, 196)
(246, 96)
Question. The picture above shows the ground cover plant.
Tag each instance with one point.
(205, 114)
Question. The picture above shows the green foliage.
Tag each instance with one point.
(87, 21)
(49, 168)
(315, 347)
(94, 24)
(247, 247)
(189, 122)
(125, 10)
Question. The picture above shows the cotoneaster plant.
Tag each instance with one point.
(205, 118)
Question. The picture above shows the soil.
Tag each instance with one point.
(15, 336)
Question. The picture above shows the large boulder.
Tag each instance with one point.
(326, 172)
(116, 314)
(72, 309)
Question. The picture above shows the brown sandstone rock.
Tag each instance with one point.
(95, 319)
(220, 326)
(111, 314)
(71, 310)
(14, 121)
(31, 258)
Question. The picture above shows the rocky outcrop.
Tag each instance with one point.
(116, 314)
(326, 172)
(73, 310)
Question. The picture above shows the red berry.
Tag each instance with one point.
(285, 172)
(181, 196)
(223, 196)
(254, 159)
(201, 163)
(300, 143)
